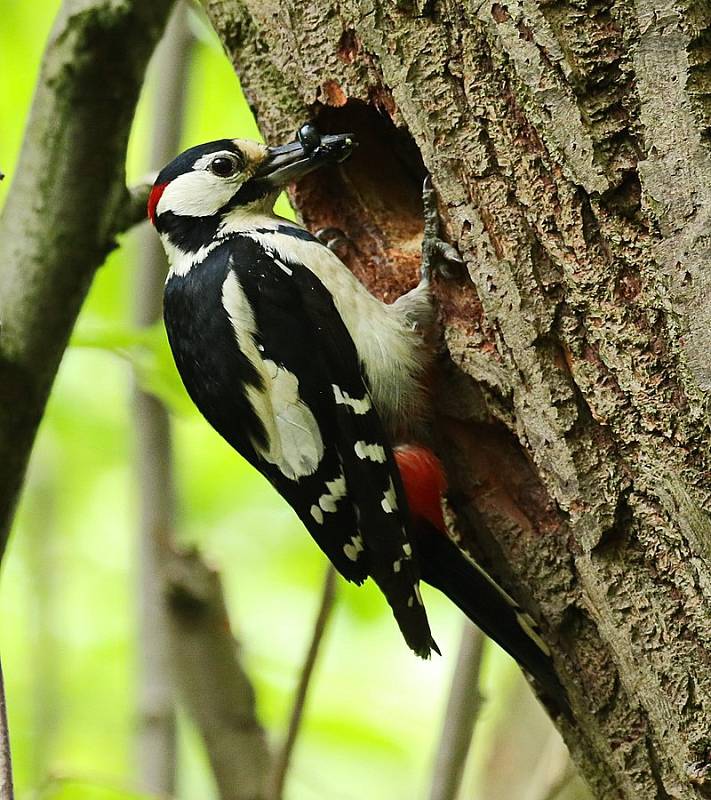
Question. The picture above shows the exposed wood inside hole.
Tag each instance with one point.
(375, 198)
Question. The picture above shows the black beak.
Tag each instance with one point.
(310, 151)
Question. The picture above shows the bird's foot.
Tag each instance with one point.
(438, 256)
(334, 239)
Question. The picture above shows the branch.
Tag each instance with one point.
(460, 717)
(67, 202)
(211, 680)
(156, 739)
(6, 790)
(133, 209)
(283, 757)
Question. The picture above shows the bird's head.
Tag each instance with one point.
(211, 180)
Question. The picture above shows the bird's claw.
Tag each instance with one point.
(438, 256)
(334, 239)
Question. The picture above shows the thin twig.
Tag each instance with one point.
(133, 209)
(282, 759)
(6, 789)
(460, 717)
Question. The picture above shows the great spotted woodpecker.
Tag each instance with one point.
(313, 380)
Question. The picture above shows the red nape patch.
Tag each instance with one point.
(153, 199)
(424, 483)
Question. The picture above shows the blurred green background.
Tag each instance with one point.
(68, 589)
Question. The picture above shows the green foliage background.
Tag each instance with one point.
(68, 590)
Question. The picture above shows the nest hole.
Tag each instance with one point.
(375, 197)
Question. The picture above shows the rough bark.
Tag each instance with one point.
(67, 203)
(569, 143)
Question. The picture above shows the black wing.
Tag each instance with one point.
(335, 466)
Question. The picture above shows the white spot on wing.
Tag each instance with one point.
(407, 549)
(317, 514)
(354, 548)
(389, 501)
(361, 406)
(336, 489)
(374, 452)
(397, 565)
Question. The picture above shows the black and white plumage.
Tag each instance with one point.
(313, 380)
(288, 356)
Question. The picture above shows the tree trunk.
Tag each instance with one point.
(569, 144)
(67, 204)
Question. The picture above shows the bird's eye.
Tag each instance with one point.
(224, 166)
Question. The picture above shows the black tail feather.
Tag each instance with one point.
(446, 568)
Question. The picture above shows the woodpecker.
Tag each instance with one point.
(313, 380)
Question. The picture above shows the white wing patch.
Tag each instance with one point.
(298, 447)
(294, 442)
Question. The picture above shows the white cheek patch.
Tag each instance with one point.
(197, 193)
